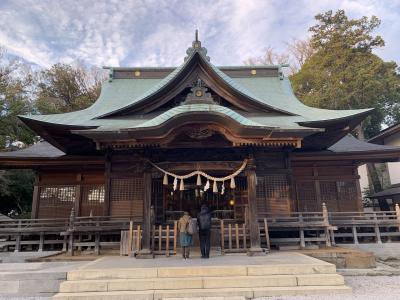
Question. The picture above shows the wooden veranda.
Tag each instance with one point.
(299, 229)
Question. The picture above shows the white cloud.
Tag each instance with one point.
(157, 33)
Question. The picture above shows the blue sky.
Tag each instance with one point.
(157, 32)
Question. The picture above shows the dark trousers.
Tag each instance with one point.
(204, 236)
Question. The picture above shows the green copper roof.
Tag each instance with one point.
(271, 92)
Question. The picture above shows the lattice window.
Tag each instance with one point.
(127, 196)
(93, 194)
(273, 194)
(306, 196)
(260, 190)
(276, 186)
(329, 194)
(347, 192)
(126, 189)
(56, 195)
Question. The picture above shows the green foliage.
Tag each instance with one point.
(64, 88)
(14, 100)
(343, 73)
(16, 187)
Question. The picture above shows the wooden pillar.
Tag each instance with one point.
(78, 195)
(107, 185)
(146, 252)
(35, 198)
(359, 193)
(255, 240)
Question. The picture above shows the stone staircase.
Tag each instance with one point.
(226, 282)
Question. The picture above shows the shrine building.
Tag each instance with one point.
(163, 140)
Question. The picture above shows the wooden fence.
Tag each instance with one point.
(234, 237)
(163, 239)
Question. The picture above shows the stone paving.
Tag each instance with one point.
(274, 258)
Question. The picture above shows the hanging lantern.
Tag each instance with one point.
(233, 184)
(181, 186)
(175, 183)
(207, 186)
(198, 183)
(223, 188)
(165, 180)
(215, 188)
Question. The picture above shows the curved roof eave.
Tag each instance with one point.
(356, 113)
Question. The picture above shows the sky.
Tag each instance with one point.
(158, 32)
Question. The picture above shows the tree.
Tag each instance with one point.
(16, 187)
(64, 88)
(270, 57)
(15, 86)
(297, 52)
(343, 73)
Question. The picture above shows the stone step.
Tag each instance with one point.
(203, 271)
(142, 284)
(199, 293)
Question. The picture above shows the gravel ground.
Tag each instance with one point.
(364, 288)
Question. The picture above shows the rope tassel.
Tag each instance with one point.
(181, 186)
(207, 186)
(233, 184)
(215, 188)
(198, 183)
(165, 180)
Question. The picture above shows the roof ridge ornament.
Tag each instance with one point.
(199, 94)
(196, 47)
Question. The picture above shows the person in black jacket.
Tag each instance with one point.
(204, 222)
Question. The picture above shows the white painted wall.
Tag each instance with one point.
(362, 171)
(394, 168)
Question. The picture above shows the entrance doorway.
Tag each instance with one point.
(169, 205)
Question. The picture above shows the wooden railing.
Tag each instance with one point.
(31, 233)
(366, 226)
(296, 228)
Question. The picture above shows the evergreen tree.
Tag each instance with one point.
(343, 73)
